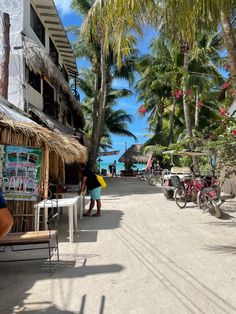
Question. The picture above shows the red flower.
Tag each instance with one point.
(227, 67)
(178, 93)
(225, 85)
(234, 132)
(222, 112)
(142, 110)
(199, 104)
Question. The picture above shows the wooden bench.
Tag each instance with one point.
(35, 240)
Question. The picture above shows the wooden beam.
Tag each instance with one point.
(48, 14)
(56, 29)
(64, 47)
(52, 22)
(66, 51)
(47, 7)
(4, 61)
(59, 41)
(59, 36)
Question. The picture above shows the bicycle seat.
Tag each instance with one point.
(182, 170)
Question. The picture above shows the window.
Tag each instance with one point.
(37, 25)
(33, 79)
(53, 52)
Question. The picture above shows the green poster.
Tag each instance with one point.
(20, 168)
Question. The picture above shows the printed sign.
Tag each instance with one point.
(20, 172)
(114, 152)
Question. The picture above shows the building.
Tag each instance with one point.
(41, 65)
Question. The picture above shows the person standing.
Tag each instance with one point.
(6, 220)
(90, 181)
(110, 169)
(114, 169)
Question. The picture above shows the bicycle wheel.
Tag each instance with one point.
(201, 201)
(152, 180)
(169, 194)
(180, 197)
(214, 209)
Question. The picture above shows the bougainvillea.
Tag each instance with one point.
(222, 112)
(178, 93)
(225, 85)
(142, 110)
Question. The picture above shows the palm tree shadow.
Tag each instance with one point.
(228, 249)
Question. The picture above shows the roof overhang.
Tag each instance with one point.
(49, 15)
(67, 147)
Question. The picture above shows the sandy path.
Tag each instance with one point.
(144, 255)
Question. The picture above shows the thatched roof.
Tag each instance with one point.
(134, 155)
(39, 61)
(66, 147)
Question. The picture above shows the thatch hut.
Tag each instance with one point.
(131, 156)
(17, 129)
(134, 155)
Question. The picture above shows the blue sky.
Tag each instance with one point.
(130, 104)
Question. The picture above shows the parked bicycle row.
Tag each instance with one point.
(185, 185)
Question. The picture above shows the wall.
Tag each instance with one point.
(16, 88)
(20, 92)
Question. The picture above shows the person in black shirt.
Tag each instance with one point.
(114, 169)
(6, 220)
(94, 188)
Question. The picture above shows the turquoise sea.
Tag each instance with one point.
(120, 166)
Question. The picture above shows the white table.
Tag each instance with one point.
(71, 203)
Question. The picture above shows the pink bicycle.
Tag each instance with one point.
(203, 191)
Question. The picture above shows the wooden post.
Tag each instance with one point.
(4, 61)
(46, 178)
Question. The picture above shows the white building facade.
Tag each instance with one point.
(38, 20)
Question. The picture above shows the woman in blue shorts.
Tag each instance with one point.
(94, 188)
(6, 220)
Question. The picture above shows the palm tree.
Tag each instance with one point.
(181, 20)
(115, 120)
(96, 46)
(162, 74)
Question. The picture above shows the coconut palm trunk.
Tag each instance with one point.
(99, 112)
(172, 120)
(187, 115)
(186, 107)
(230, 44)
(197, 111)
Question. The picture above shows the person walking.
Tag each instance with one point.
(90, 181)
(6, 220)
(114, 169)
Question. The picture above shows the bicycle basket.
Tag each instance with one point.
(175, 180)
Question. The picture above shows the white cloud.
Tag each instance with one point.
(63, 6)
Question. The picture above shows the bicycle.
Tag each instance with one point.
(155, 178)
(197, 190)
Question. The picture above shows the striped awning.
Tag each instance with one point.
(48, 13)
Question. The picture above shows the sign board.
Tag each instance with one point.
(114, 152)
(20, 172)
